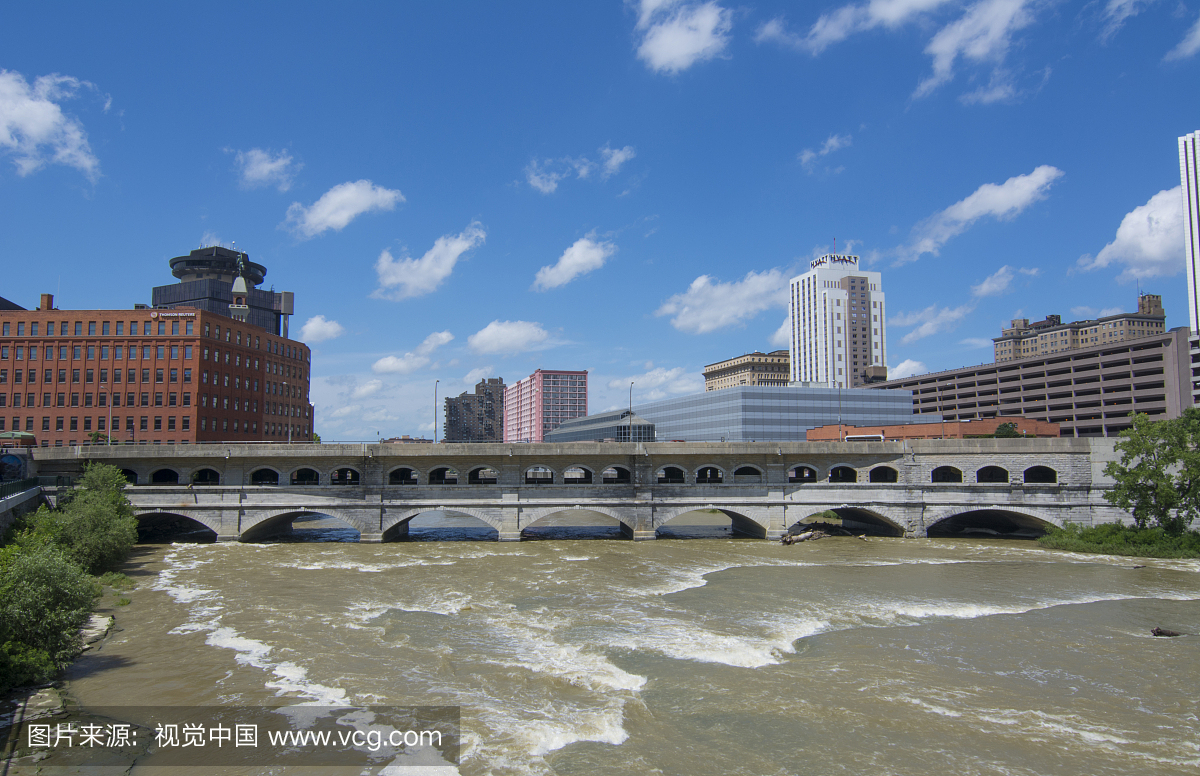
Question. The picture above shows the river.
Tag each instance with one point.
(714, 655)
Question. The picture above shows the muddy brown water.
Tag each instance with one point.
(588, 654)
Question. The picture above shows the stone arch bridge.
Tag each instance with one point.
(249, 491)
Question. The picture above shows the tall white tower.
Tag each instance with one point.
(1189, 173)
(837, 317)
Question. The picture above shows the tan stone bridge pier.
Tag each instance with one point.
(250, 491)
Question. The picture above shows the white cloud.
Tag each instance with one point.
(317, 329)
(1002, 201)
(508, 337)
(542, 179)
(1116, 12)
(614, 158)
(932, 320)
(1149, 241)
(677, 35)
(475, 375)
(995, 284)
(406, 277)
(1087, 313)
(581, 258)
(808, 157)
(659, 383)
(34, 129)
(977, 342)
(707, 305)
(348, 409)
(1031, 271)
(983, 34)
(339, 206)
(262, 168)
(906, 368)
(782, 337)
(839, 24)
(1186, 47)
(367, 388)
(412, 361)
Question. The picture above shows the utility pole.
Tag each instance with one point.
(435, 387)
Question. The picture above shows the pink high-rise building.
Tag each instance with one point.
(543, 401)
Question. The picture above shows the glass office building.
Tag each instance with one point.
(615, 426)
(769, 413)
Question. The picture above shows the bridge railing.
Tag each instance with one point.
(13, 487)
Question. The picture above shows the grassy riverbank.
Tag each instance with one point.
(1114, 539)
(54, 565)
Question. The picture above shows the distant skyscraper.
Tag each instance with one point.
(1189, 173)
(541, 402)
(837, 319)
(479, 416)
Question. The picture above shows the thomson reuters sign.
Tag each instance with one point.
(158, 314)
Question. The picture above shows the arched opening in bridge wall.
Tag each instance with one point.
(167, 528)
(860, 520)
(709, 475)
(344, 476)
(802, 474)
(946, 474)
(539, 475)
(577, 475)
(884, 474)
(130, 476)
(301, 526)
(439, 526)
(714, 523)
(989, 523)
(747, 475)
(1040, 475)
(164, 477)
(483, 475)
(306, 477)
(670, 475)
(264, 477)
(572, 524)
(402, 476)
(616, 475)
(991, 475)
(843, 474)
(443, 475)
(206, 477)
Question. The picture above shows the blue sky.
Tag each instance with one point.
(463, 189)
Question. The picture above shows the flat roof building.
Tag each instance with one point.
(755, 368)
(1088, 391)
(953, 429)
(1024, 339)
(614, 426)
(149, 376)
(541, 402)
(478, 416)
(838, 335)
(747, 413)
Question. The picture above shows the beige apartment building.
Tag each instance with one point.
(1026, 340)
(755, 368)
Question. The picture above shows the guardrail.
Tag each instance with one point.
(13, 487)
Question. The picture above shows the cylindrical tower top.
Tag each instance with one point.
(217, 263)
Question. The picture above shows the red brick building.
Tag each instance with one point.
(951, 429)
(149, 376)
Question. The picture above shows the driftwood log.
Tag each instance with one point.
(1163, 632)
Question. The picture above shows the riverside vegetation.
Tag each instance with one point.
(1158, 483)
(54, 563)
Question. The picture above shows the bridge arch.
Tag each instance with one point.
(403, 475)
(304, 475)
(539, 474)
(671, 474)
(443, 474)
(345, 475)
(753, 521)
(483, 475)
(265, 475)
(843, 473)
(615, 474)
(130, 476)
(582, 475)
(164, 476)
(992, 475)
(802, 472)
(946, 474)
(257, 526)
(995, 518)
(878, 519)
(149, 519)
(205, 475)
(532, 517)
(709, 474)
(748, 473)
(884, 474)
(392, 521)
(1040, 475)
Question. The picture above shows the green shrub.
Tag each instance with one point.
(44, 599)
(1117, 539)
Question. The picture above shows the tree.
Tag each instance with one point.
(98, 437)
(316, 437)
(1158, 476)
(1006, 431)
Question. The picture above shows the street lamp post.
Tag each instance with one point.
(435, 387)
(631, 410)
